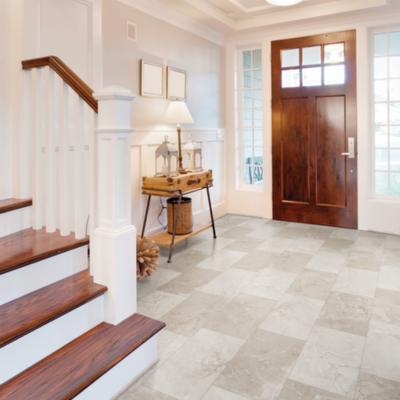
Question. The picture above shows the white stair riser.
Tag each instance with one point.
(124, 374)
(16, 220)
(34, 276)
(31, 348)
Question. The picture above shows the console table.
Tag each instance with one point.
(177, 186)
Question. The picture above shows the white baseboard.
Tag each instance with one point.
(124, 374)
(15, 220)
(29, 349)
(34, 276)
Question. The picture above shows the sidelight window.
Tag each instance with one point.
(249, 141)
(386, 112)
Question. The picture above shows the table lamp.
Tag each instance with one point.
(178, 113)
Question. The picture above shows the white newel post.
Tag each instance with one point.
(113, 243)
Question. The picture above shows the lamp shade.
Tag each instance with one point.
(178, 113)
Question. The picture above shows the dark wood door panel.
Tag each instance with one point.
(331, 177)
(295, 144)
(312, 181)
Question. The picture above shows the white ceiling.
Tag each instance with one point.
(246, 14)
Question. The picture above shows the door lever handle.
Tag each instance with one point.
(351, 153)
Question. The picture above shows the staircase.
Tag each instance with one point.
(68, 322)
(54, 343)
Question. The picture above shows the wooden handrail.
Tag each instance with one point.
(67, 75)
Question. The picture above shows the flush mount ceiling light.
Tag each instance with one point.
(284, 2)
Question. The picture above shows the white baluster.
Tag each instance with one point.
(79, 171)
(37, 131)
(113, 243)
(64, 166)
(92, 172)
(50, 137)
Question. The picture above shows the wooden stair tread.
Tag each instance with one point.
(28, 246)
(29, 312)
(67, 372)
(14, 204)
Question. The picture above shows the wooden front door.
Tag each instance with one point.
(314, 130)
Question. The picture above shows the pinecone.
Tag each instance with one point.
(147, 257)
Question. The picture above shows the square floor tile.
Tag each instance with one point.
(371, 387)
(389, 278)
(160, 277)
(314, 284)
(293, 316)
(261, 365)
(297, 391)
(216, 393)
(348, 313)
(240, 316)
(228, 283)
(276, 245)
(269, 283)
(327, 261)
(357, 282)
(330, 361)
(290, 261)
(158, 303)
(221, 261)
(255, 260)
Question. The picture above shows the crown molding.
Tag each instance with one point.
(159, 10)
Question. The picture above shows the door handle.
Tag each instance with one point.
(351, 152)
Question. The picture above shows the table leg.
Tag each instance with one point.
(146, 215)
(211, 212)
(175, 222)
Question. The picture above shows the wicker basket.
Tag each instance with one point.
(184, 220)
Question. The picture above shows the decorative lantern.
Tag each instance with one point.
(193, 156)
(166, 159)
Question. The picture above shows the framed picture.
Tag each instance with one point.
(176, 84)
(151, 79)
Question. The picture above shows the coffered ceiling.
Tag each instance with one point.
(247, 14)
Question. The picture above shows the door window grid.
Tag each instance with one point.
(313, 66)
(386, 113)
(250, 117)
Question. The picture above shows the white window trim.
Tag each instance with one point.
(239, 148)
(371, 58)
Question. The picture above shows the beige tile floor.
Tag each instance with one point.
(274, 310)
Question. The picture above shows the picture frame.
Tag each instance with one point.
(176, 84)
(151, 79)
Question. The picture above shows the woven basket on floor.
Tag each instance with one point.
(184, 218)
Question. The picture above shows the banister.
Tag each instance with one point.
(67, 75)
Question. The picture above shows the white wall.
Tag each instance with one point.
(160, 42)
(374, 214)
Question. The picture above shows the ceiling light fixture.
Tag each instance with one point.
(284, 3)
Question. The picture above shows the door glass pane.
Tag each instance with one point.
(394, 44)
(312, 76)
(334, 53)
(395, 136)
(381, 91)
(381, 136)
(247, 99)
(247, 59)
(247, 79)
(395, 184)
(395, 90)
(382, 159)
(258, 117)
(381, 183)
(380, 68)
(334, 75)
(291, 78)
(248, 137)
(258, 137)
(257, 99)
(380, 45)
(381, 114)
(395, 113)
(290, 58)
(394, 67)
(257, 58)
(312, 55)
(395, 160)
(257, 79)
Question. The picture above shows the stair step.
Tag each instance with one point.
(23, 315)
(14, 204)
(28, 246)
(71, 369)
